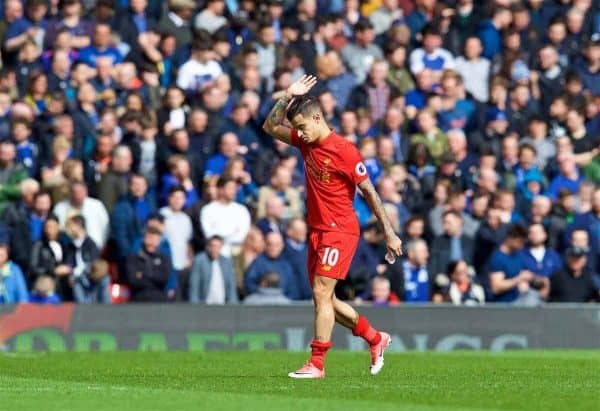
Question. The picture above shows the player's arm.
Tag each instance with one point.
(393, 243)
(274, 122)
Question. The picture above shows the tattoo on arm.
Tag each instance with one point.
(275, 117)
(375, 204)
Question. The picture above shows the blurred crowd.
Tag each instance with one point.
(133, 164)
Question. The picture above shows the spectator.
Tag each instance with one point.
(463, 291)
(179, 175)
(568, 178)
(510, 281)
(211, 18)
(11, 174)
(359, 55)
(589, 69)
(136, 20)
(212, 278)
(148, 270)
(113, 183)
(574, 282)
(19, 221)
(269, 53)
(490, 31)
(268, 292)
(430, 135)
(474, 69)
(252, 247)
(376, 93)
(272, 260)
(452, 245)
(381, 294)
(280, 186)
(129, 217)
(398, 75)
(48, 253)
(431, 56)
(537, 258)
(28, 153)
(417, 286)
(200, 70)
(590, 222)
(100, 47)
(92, 210)
(79, 28)
(80, 252)
(339, 81)
(178, 229)
(229, 147)
(296, 253)
(274, 220)
(13, 289)
(177, 21)
(44, 291)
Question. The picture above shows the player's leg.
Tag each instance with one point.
(323, 289)
(344, 314)
(378, 341)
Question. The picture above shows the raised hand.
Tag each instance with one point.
(301, 86)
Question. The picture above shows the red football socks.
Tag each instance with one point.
(319, 350)
(363, 329)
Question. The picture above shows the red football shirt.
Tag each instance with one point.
(333, 168)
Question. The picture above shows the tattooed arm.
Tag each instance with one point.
(393, 243)
(274, 122)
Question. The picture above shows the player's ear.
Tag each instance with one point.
(316, 117)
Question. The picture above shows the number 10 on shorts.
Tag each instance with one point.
(330, 256)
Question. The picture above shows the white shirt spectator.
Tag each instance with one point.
(475, 74)
(229, 221)
(178, 232)
(216, 288)
(94, 213)
(194, 74)
(441, 59)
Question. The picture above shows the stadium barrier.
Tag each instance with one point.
(68, 327)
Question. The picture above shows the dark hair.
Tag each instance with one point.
(176, 189)
(430, 30)
(390, 47)
(271, 278)
(527, 146)
(78, 219)
(452, 266)
(215, 237)
(202, 44)
(303, 105)
(223, 180)
(152, 230)
(516, 231)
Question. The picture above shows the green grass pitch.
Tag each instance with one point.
(122, 381)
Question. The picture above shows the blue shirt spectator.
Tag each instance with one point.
(272, 260)
(13, 288)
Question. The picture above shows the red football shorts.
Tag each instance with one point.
(330, 253)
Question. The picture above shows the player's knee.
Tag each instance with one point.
(322, 293)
